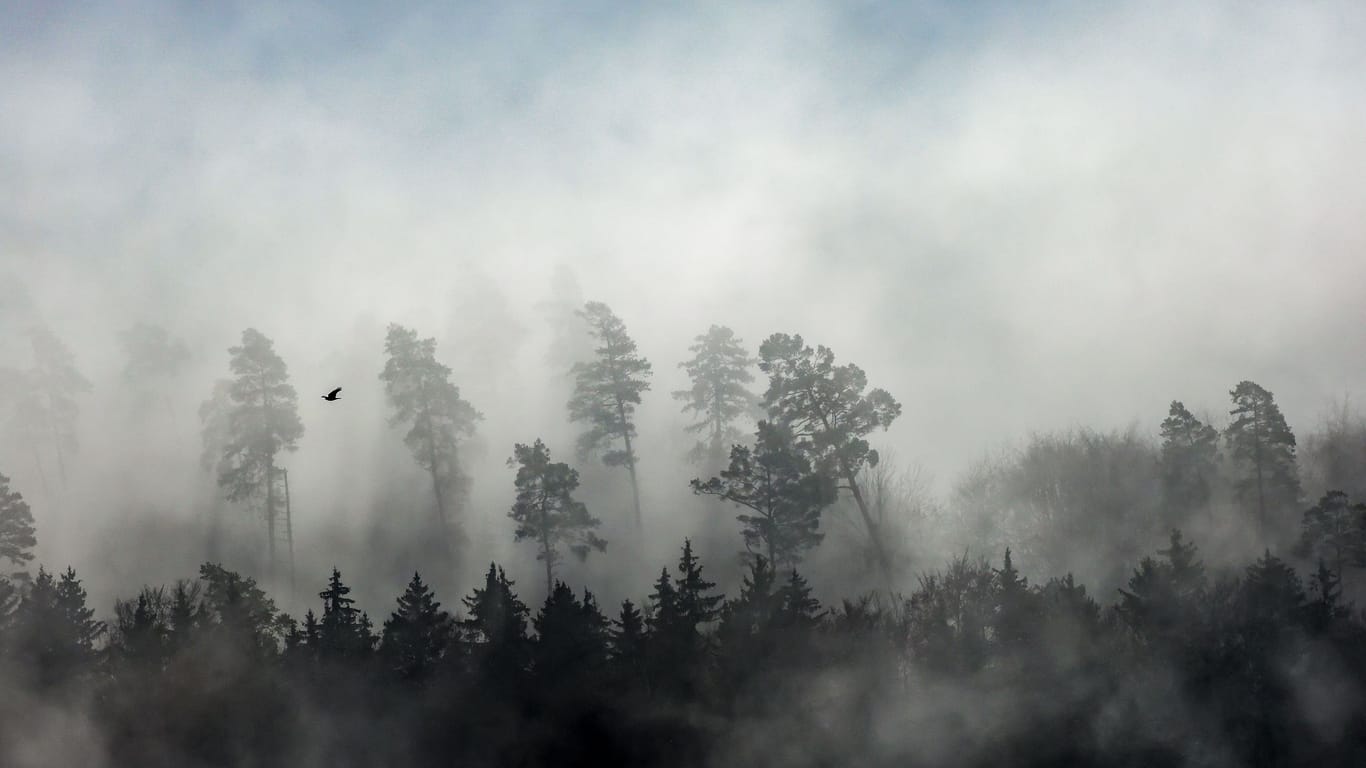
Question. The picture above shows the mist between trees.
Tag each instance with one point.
(1083, 597)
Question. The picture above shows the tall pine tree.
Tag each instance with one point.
(829, 415)
(422, 395)
(1189, 450)
(262, 422)
(56, 384)
(1264, 446)
(545, 510)
(607, 391)
(720, 372)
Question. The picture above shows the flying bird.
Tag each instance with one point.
(332, 395)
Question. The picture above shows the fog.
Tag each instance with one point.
(1015, 219)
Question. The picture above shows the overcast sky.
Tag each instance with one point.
(1012, 218)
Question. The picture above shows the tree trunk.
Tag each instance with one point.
(884, 563)
(270, 518)
(630, 462)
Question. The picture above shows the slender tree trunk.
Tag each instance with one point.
(630, 462)
(61, 463)
(270, 517)
(874, 535)
(545, 543)
(1261, 494)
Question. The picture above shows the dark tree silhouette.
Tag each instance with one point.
(1335, 530)
(1264, 446)
(495, 631)
(55, 634)
(606, 392)
(1189, 450)
(345, 632)
(829, 415)
(263, 421)
(417, 634)
(545, 510)
(720, 372)
(776, 482)
(421, 393)
(571, 646)
(16, 529)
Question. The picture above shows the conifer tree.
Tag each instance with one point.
(829, 415)
(1335, 530)
(240, 611)
(627, 647)
(545, 510)
(344, 631)
(1263, 444)
(1189, 449)
(56, 383)
(153, 359)
(417, 634)
(496, 629)
(696, 605)
(1015, 616)
(776, 482)
(720, 373)
(571, 639)
(262, 422)
(16, 530)
(606, 393)
(55, 633)
(422, 395)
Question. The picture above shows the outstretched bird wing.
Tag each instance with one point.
(334, 392)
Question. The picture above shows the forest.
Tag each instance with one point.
(1166, 660)
(711, 385)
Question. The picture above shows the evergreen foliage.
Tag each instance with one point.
(545, 510)
(720, 374)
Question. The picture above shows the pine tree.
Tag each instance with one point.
(545, 510)
(1189, 449)
(153, 360)
(828, 413)
(417, 634)
(496, 629)
(606, 392)
(421, 393)
(238, 610)
(56, 384)
(16, 529)
(1261, 441)
(719, 370)
(262, 422)
(142, 629)
(1335, 530)
(776, 482)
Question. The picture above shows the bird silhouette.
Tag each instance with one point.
(332, 395)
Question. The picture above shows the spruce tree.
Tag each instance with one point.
(1015, 615)
(571, 645)
(262, 422)
(628, 644)
(495, 629)
(775, 481)
(545, 510)
(1189, 450)
(606, 393)
(55, 633)
(16, 530)
(720, 373)
(829, 414)
(417, 633)
(1264, 446)
(344, 632)
(422, 396)
(1335, 530)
